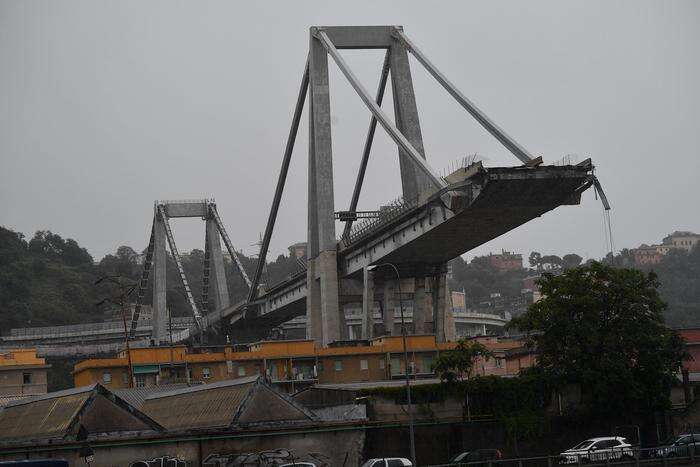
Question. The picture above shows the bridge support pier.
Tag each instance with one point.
(388, 306)
(159, 274)
(419, 308)
(217, 278)
(367, 304)
(325, 321)
(442, 308)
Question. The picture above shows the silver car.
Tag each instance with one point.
(598, 450)
(680, 446)
(388, 462)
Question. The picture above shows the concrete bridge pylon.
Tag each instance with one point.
(329, 279)
(214, 288)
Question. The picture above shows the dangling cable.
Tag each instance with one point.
(605, 233)
(607, 223)
(610, 234)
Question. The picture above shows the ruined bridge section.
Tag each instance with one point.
(436, 220)
(482, 204)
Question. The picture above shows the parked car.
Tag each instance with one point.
(680, 446)
(477, 455)
(299, 464)
(388, 462)
(36, 463)
(598, 450)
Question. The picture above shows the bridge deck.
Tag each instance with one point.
(491, 202)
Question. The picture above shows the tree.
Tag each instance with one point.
(550, 262)
(603, 328)
(46, 281)
(534, 260)
(480, 278)
(571, 260)
(457, 366)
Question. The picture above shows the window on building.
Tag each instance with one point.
(395, 366)
(426, 364)
(382, 364)
(125, 377)
(364, 365)
(27, 378)
(338, 365)
(106, 377)
(206, 372)
(140, 381)
(241, 371)
(319, 366)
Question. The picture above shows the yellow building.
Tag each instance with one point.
(22, 373)
(290, 364)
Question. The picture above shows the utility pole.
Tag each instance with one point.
(120, 301)
(412, 439)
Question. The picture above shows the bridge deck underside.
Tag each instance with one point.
(503, 205)
(509, 198)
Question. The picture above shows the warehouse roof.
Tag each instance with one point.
(225, 404)
(136, 396)
(71, 414)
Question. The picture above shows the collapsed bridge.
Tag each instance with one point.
(435, 219)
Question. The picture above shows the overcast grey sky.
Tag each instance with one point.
(107, 106)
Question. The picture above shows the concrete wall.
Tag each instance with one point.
(209, 452)
(350, 369)
(12, 381)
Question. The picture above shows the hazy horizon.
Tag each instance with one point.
(110, 106)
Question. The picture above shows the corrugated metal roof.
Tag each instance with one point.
(136, 396)
(208, 406)
(207, 387)
(54, 415)
(54, 395)
(41, 417)
(5, 400)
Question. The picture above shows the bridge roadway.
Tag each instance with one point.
(84, 339)
(479, 205)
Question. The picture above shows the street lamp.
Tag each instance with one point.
(405, 358)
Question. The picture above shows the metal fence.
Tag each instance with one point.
(666, 456)
(387, 214)
(88, 328)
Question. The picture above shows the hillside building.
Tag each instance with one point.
(653, 254)
(506, 261)
(22, 373)
(289, 365)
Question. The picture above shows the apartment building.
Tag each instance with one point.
(290, 364)
(653, 254)
(22, 373)
(506, 261)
